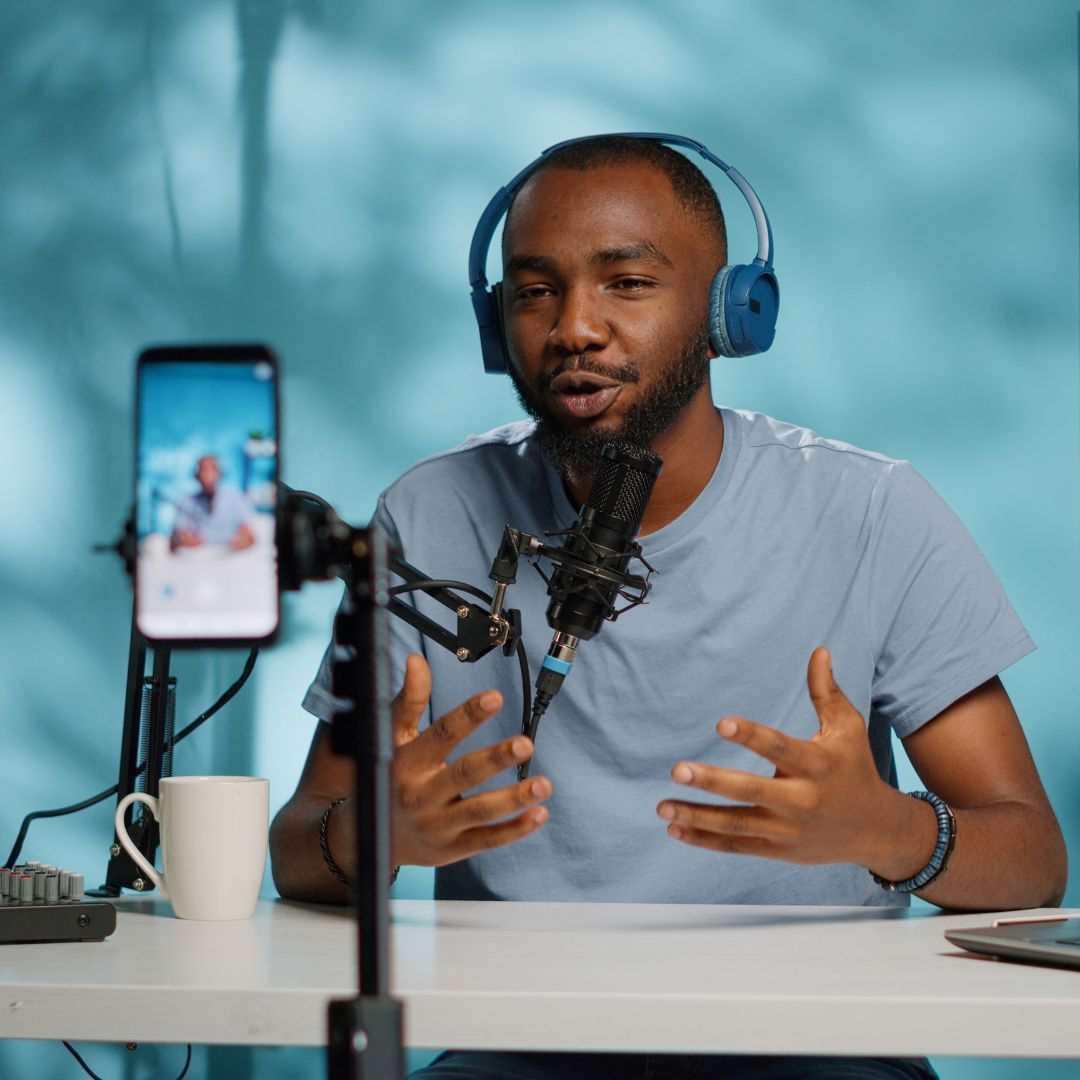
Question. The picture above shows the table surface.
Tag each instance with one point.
(630, 977)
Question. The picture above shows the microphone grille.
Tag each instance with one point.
(624, 480)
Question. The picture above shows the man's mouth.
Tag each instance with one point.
(582, 395)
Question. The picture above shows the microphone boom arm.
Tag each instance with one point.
(479, 630)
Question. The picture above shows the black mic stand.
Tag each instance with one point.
(364, 1040)
(145, 757)
(365, 1032)
(145, 744)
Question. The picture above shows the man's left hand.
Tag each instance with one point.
(820, 806)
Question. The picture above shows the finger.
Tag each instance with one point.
(728, 820)
(735, 845)
(495, 805)
(411, 701)
(435, 744)
(795, 757)
(830, 702)
(742, 787)
(471, 770)
(487, 837)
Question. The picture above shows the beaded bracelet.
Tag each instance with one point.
(939, 860)
(324, 846)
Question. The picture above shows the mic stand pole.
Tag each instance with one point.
(365, 1032)
(148, 727)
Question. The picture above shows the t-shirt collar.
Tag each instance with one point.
(564, 513)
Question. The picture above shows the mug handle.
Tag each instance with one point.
(126, 843)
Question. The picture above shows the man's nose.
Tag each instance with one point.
(579, 325)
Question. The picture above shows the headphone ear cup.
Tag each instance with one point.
(487, 305)
(743, 304)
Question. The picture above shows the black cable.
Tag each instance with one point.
(526, 689)
(78, 1057)
(249, 666)
(531, 720)
(534, 722)
(101, 796)
(187, 1064)
(90, 1072)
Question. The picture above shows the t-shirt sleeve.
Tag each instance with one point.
(940, 619)
(319, 700)
(237, 510)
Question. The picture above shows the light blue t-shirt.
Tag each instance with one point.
(795, 542)
(216, 520)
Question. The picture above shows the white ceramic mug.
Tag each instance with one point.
(213, 843)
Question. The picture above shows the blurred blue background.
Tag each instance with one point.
(308, 173)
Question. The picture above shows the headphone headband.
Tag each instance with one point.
(732, 338)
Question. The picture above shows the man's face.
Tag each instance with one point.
(208, 473)
(605, 293)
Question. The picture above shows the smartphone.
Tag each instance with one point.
(207, 439)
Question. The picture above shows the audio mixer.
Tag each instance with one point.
(40, 902)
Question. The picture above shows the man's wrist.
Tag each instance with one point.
(330, 837)
(939, 859)
(903, 838)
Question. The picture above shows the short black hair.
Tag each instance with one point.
(689, 183)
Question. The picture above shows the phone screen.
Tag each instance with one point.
(206, 566)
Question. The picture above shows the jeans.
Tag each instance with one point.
(490, 1065)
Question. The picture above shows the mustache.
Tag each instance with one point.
(627, 373)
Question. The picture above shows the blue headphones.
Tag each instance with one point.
(743, 300)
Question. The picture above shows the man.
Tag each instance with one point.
(810, 597)
(212, 515)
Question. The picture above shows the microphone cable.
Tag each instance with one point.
(548, 683)
(225, 698)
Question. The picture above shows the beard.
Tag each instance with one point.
(573, 454)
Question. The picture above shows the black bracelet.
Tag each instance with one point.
(939, 860)
(324, 846)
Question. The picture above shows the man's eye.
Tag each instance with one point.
(632, 284)
(532, 292)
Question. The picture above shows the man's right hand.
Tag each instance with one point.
(186, 538)
(434, 821)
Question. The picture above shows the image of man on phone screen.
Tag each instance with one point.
(213, 514)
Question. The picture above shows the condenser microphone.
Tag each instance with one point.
(585, 585)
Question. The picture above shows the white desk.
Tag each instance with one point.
(553, 976)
